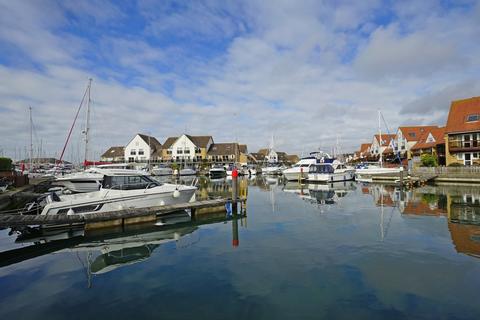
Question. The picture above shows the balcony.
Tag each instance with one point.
(463, 146)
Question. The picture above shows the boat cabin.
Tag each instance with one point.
(321, 168)
(128, 182)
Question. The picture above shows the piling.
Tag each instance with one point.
(401, 178)
(234, 190)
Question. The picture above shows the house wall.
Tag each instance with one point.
(184, 149)
(458, 157)
(137, 145)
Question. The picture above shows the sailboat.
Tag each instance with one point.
(365, 171)
(272, 166)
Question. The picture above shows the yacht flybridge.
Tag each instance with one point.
(117, 192)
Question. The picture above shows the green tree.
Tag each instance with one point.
(428, 160)
(5, 164)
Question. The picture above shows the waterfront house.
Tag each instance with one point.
(364, 152)
(383, 147)
(256, 157)
(186, 148)
(432, 141)
(114, 154)
(407, 137)
(226, 152)
(462, 132)
(143, 148)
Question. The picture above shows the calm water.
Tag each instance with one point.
(345, 251)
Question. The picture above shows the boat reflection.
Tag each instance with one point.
(105, 250)
(322, 194)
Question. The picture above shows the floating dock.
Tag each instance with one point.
(117, 218)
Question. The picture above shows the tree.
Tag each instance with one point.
(5, 164)
(428, 160)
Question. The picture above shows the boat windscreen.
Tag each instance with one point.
(321, 168)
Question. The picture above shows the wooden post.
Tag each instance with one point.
(235, 241)
(401, 178)
(234, 190)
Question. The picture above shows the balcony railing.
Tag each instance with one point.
(459, 145)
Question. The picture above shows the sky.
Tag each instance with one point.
(309, 73)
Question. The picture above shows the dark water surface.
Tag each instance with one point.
(344, 251)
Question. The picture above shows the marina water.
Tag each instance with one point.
(343, 251)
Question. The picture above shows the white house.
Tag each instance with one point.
(407, 137)
(387, 144)
(190, 148)
(272, 156)
(143, 148)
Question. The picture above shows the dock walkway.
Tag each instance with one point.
(115, 218)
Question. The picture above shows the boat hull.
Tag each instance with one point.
(295, 175)
(331, 177)
(102, 201)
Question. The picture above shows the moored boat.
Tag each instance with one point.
(330, 172)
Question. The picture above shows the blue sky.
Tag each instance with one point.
(306, 71)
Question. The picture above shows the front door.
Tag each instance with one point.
(467, 159)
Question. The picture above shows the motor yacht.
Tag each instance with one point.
(272, 169)
(162, 170)
(299, 171)
(217, 171)
(367, 170)
(119, 192)
(330, 172)
(188, 172)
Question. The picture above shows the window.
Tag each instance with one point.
(169, 151)
(411, 134)
(140, 152)
(187, 151)
(179, 151)
(131, 159)
(459, 156)
(473, 117)
(133, 152)
(475, 155)
(198, 150)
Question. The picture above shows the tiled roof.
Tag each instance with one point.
(113, 152)
(168, 143)
(152, 141)
(460, 110)
(243, 148)
(263, 151)
(414, 133)
(386, 138)
(220, 149)
(437, 133)
(200, 141)
(364, 147)
(258, 156)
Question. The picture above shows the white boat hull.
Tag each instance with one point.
(332, 177)
(291, 175)
(162, 171)
(188, 172)
(108, 200)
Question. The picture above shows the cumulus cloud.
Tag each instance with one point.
(307, 72)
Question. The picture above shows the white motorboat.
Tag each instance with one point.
(162, 171)
(272, 169)
(217, 171)
(91, 179)
(299, 171)
(3, 186)
(367, 170)
(330, 172)
(120, 192)
(188, 172)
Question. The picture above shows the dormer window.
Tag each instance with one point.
(411, 134)
(473, 117)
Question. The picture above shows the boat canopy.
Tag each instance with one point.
(128, 182)
(321, 168)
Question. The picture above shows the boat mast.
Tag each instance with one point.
(31, 141)
(380, 138)
(87, 123)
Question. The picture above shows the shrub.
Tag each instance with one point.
(428, 160)
(5, 164)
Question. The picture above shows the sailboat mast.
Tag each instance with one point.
(87, 123)
(380, 138)
(31, 140)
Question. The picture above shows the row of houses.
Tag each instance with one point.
(458, 142)
(188, 148)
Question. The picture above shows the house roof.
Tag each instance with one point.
(413, 133)
(293, 158)
(386, 138)
(152, 141)
(199, 141)
(437, 133)
(258, 156)
(114, 152)
(243, 148)
(263, 151)
(459, 112)
(364, 147)
(219, 149)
